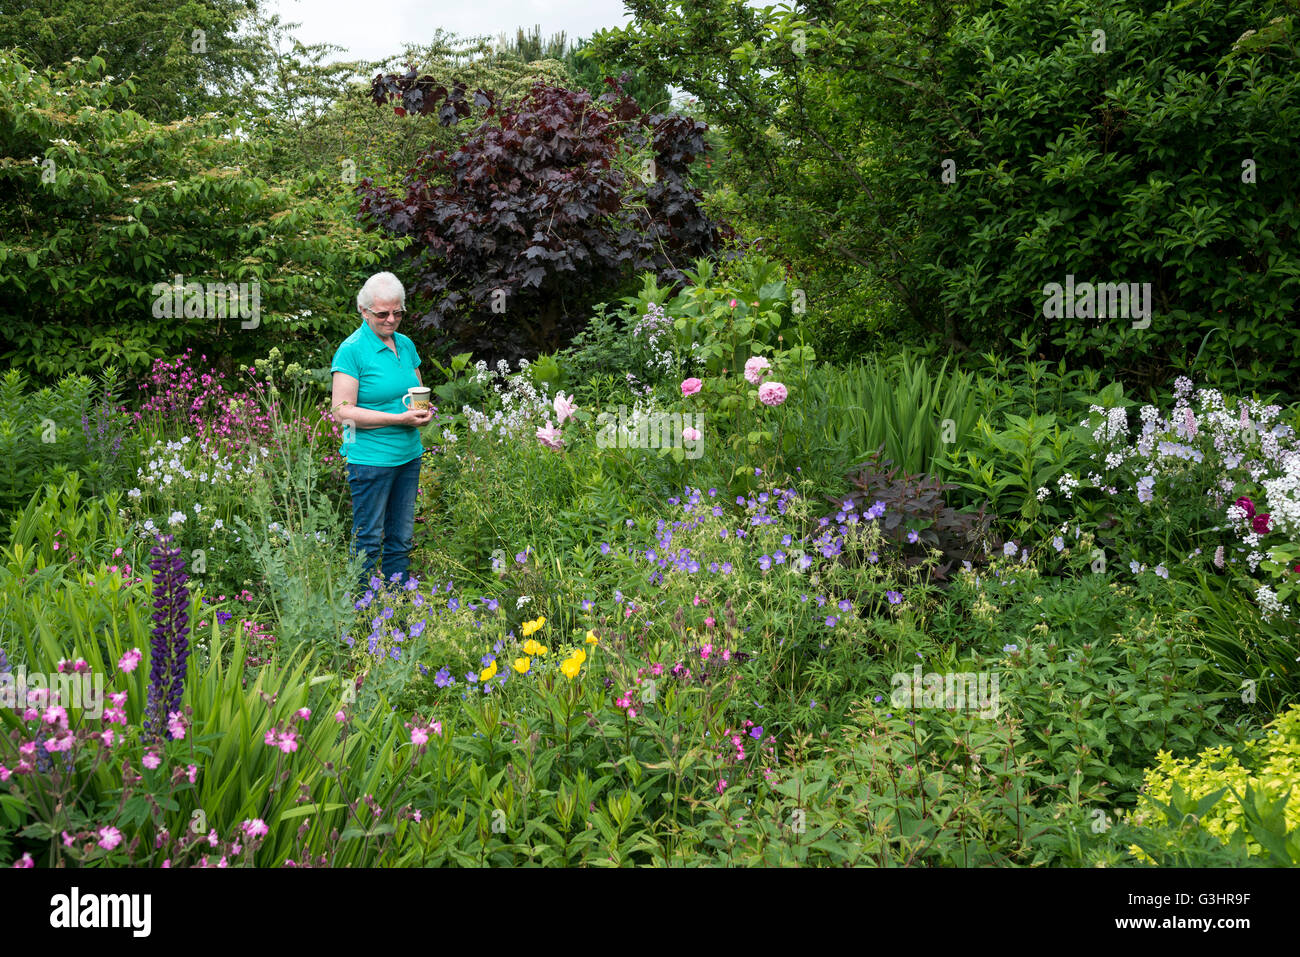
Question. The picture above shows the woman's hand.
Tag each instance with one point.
(415, 418)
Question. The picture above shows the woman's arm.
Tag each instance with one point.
(344, 405)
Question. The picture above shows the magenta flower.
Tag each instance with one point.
(755, 368)
(1246, 505)
(691, 386)
(771, 393)
(151, 760)
(254, 828)
(130, 660)
(109, 837)
(1260, 523)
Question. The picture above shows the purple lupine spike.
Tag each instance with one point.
(171, 647)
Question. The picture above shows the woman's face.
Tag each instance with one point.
(383, 328)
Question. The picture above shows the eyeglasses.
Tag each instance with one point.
(396, 314)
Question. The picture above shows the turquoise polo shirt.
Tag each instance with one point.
(382, 380)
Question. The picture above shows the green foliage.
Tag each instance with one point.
(75, 426)
(103, 208)
(966, 157)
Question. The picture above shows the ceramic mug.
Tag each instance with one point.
(417, 397)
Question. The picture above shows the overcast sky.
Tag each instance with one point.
(370, 29)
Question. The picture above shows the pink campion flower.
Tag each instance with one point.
(304, 713)
(130, 660)
(118, 698)
(176, 725)
(771, 393)
(289, 741)
(30, 714)
(27, 749)
(436, 728)
(340, 717)
(107, 737)
(550, 437)
(213, 840)
(115, 716)
(691, 386)
(5, 773)
(24, 767)
(419, 736)
(56, 714)
(69, 839)
(254, 828)
(61, 742)
(709, 622)
(755, 368)
(24, 862)
(691, 435)
(192, 772)
(270, 738)
(564, 407)
(151, 760)
(109, 837)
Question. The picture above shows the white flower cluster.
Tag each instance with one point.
(522, 405)
(1283, 497)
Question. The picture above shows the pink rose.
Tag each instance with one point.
(691, 386)
(1260, 523)
(771, 393)
(691, 435)
(755, 368)
(564, 408)
(1246, 505)
(550, 437)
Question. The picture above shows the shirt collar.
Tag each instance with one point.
(375, 342)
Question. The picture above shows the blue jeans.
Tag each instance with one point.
(383, 516)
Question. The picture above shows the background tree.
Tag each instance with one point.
(548, 205)
(963, 155)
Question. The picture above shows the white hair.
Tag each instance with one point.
(382, 285)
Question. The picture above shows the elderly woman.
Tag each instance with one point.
(373, 369)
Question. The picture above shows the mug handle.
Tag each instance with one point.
(404, 398)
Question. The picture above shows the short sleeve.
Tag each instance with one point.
(345, 360)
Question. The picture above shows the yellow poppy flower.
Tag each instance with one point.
(578, 655)
(532, 647)
(528, 628)
(591, 638)
(488, 673)
(570, 668)
(522, 665)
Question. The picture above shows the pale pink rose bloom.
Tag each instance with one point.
(550, 437)
(564, 408)
(771, 393)
(691, 435)
(691, 386)
(755, 368)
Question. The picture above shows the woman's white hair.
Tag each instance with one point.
(382, 285)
